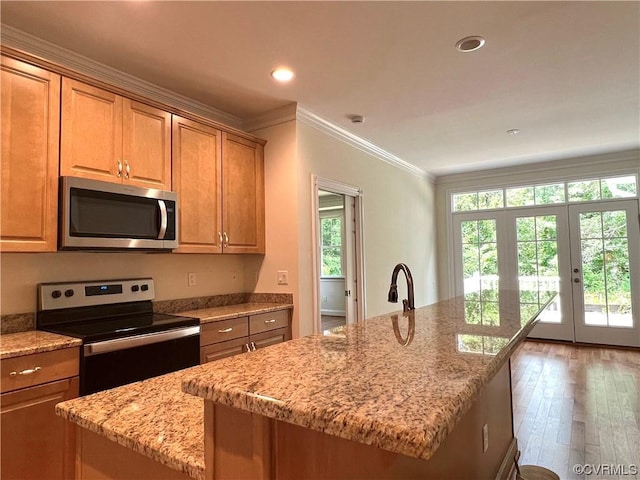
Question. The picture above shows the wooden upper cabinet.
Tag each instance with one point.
(242, 195)
(111, 138)
(30, 145)
(146, 145)
(196, 178)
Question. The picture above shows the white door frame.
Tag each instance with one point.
(354, 279)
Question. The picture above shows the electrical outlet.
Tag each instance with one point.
(283, 277)
(485, 437)
(191, 279)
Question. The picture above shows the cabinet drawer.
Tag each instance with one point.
(269, 321)
(224, 330)
(216, 351)
(38, 368)
(271, 337)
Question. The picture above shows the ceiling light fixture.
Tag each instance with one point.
(513, 131)
(282, 74)
(470, 44)
(356, 118)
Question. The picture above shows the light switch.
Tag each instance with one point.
(283, 277)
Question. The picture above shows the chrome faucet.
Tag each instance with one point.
(407, 304)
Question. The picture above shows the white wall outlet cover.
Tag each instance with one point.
(283, 277)
(191, 279)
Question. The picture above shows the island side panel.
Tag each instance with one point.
(98, 458)
(257, 447)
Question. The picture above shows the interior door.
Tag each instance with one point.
(605, 250)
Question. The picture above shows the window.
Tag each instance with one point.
(331, 246)
(548, 194)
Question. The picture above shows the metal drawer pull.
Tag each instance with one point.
(29, 371)
(253, 346)
(273, 320)
(225, 330)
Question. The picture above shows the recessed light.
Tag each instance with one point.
(356, 118)
(470, 44)
(513, 131)
(282, 74)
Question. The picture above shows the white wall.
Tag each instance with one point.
(216, 274)
(281, 214)
(399, 220)
(332, 300)
(559, 170)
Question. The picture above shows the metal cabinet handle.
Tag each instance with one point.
(248, 347)
(273, 320)
(253, 346)
(119, 169)
(127, 169)
(226, 239)
(225, 330)
(220, 238)
(29, 371)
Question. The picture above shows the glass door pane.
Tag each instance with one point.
(605, 244)
(542, 264)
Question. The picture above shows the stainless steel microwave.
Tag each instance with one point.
(97, 215)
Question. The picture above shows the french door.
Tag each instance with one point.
(605, 251)
(587, 254)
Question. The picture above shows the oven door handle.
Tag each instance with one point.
(164, 219)
(138, 340)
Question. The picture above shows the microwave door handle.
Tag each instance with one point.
(163, 219)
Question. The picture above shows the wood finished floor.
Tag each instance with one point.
(577, 405)
(330, 321)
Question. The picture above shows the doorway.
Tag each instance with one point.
(587, 254)
(338, 268)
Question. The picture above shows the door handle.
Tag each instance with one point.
(576, 280)
(164, 219)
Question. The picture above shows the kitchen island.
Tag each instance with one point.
(397, 396)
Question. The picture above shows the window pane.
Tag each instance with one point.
(584, 190)
(520, 197)
(490, 199)
(619, 187)
(614, 224)
(331, 261)
(526, 229)
(469, 232)
(463, 202)
(546, 194)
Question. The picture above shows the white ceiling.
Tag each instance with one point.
(567, 74)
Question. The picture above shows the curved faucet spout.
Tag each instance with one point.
(407, 304)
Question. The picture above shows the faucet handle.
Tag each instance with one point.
(405, 305)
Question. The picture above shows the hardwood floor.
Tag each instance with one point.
(329, 322)
(578, 405)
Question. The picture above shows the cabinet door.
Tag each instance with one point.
(272, 337)
(196, 179)
(91, 136)
(216, 351)
(30, 133)
(146, 147)
(243, 195)
(35, 442)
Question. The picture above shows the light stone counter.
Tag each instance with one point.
(215, 314)
(379, 383)
(153, 417)
(34, 341)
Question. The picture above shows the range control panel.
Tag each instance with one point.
(53, 296)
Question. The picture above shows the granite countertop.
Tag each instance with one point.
(381, 382)
(34, 341)
(153, 417)
(214, 314)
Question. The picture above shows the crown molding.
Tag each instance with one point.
(307, 117)
(19, 40)
(271, 118)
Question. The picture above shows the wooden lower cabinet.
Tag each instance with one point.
(217, 351)
(36, 443)
(226, 338)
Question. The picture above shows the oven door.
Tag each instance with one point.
(102, 215)
(112, 363)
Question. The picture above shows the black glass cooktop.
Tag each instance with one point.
(122, 326)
